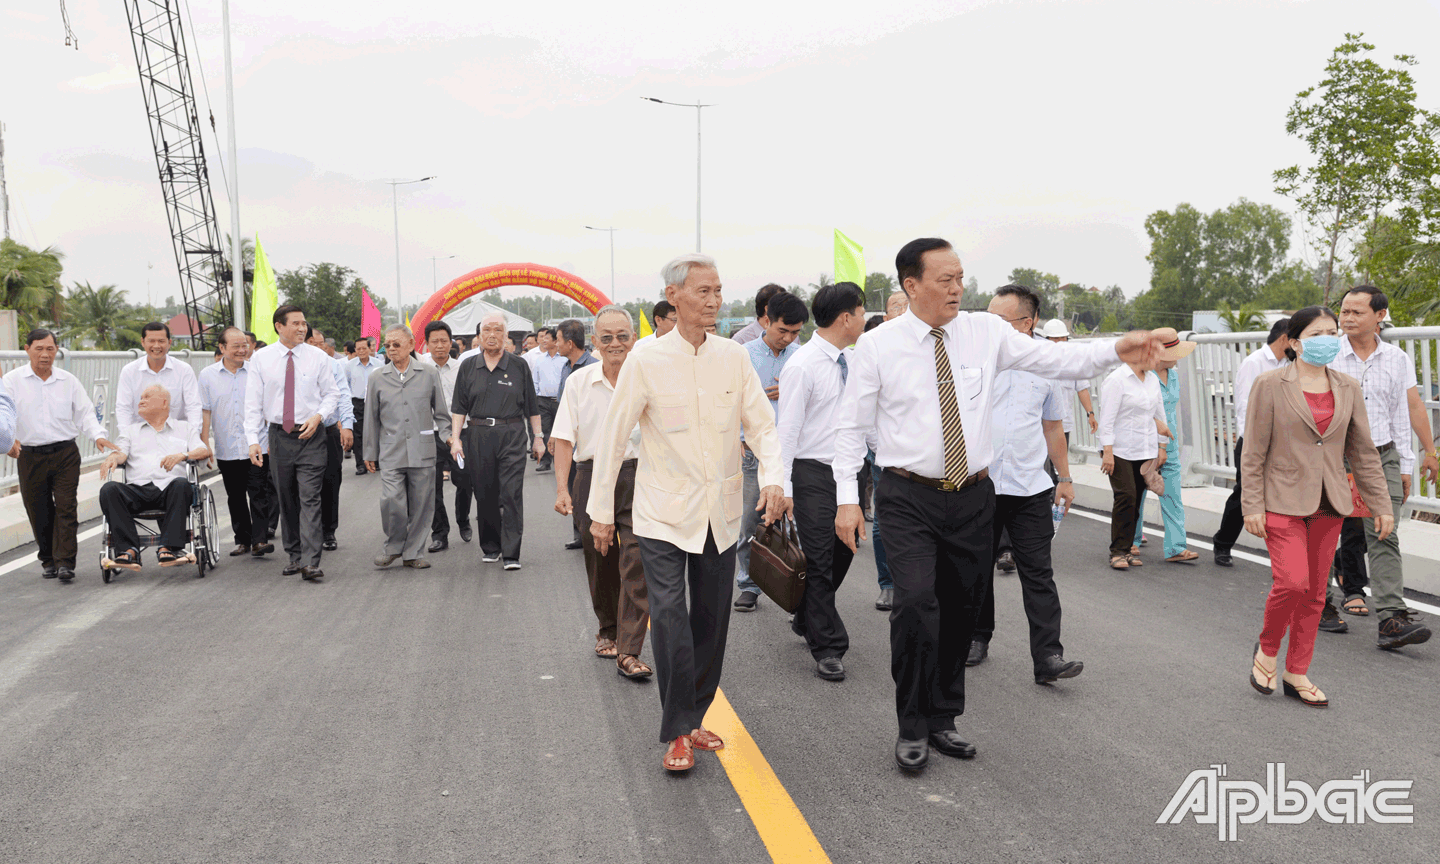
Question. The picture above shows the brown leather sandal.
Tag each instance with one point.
(704, 739)
(1185, 557)
(1134, 560)
(632, 667)
(680, 755)
(1119, 562)
(605, 648)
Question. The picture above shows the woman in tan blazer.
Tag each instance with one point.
(1304, 424)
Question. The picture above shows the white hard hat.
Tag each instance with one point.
(1055, 329)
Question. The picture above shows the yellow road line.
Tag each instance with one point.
(785, 833)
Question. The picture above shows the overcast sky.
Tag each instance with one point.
(1034, 134)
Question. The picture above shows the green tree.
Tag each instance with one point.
(878, 288)
(30, 283)
(102, 317)
(1244, 246)
(1373, 153)
(329, 294)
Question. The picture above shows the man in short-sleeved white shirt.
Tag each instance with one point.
(157, 367)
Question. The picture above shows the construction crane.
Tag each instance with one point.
(175, 129)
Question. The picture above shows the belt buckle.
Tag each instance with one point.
(491, 423)
(948, 486)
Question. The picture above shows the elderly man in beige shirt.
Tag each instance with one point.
(692, 392)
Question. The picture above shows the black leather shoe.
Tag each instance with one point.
(949, 742)
(329, 545)
(465, 534)
(796, 627)
(886, 601)
(440, 544)
(1055, 667)
(831, 669)
(291, 570)
(978, 652)
(1222, 557)
(50, 572)
(1006, 562)
(67, 574)
(260, 549)
(746, 601)
(360, 471)
(574, 544)
(312, 573)
(911, 755)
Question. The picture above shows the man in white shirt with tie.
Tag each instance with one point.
(157, 367)
(290, 393)
(811, 386)
(923, 384)
(248, 487)
(154, 452)
(691, 393)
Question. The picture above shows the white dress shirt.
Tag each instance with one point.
(691, 405)
(1129, 407)
(1067, 391)
(811, 388)
(144, 446)
(7, 419)
(315, 391)
(344, 412)
(360, 374)
(46, 412)
(447, 378)
(1252, 367)
(893, 389)
(1386, 378)
(1022, 401)
(588, 394)
(175, 376)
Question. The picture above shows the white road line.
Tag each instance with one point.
(82, 536)
(1237, 553)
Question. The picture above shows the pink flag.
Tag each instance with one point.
(369, 316)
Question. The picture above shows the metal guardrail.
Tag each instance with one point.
(1207, 411)
(98, 372)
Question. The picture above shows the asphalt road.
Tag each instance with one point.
(457, 714)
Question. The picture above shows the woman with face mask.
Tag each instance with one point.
(1304, 425)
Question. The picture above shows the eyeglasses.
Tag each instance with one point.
(608, 338)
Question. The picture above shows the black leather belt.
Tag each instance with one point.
(942, 485)
(1386, 447)
(46, 449)
(495, 421)
(589, 464)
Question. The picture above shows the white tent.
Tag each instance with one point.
(463, 319)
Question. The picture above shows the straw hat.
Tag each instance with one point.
(1175, 347)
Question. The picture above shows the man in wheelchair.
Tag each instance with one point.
(154, 452)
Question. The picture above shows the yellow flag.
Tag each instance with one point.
(264, 298)
(645, 328)
(849, 260)
(407, 319)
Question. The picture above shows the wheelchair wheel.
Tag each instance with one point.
(106, 573)
(207, 552)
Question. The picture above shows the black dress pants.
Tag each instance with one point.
(247, 493)
(121, 501)
(495, 456)
(827, 559)
(1126, 483)
(48, 487)
(1027, 519)
(1350, 558)
(358, 430)
(938, 545)
(1232, 521)
(548, 407)
(440, 525)
(330, 490)
(298, 468)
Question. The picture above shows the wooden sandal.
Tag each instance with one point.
(1120, 562)
(605, 648)
(680, 755)
(1356, 606)
(704, 739)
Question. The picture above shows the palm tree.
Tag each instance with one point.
(30, 283)
(1246, 319)
(102, 316)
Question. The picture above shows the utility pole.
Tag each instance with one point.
(238, 311)
(4, 196)
(698, 106)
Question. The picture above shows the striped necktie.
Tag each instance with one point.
(957, 464)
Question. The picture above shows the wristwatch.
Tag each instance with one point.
(1065, 480)
(1089, 413)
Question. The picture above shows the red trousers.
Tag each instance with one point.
(1301, 551)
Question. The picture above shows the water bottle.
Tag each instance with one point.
(1056, 514)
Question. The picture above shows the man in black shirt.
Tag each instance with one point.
(495, 392)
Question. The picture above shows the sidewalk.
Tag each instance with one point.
(1419, 541)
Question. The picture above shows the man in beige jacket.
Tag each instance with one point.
(691, 392)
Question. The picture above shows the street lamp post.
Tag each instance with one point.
(434, 285)
(697, 106)
(611, 232)
(237, 259)
(395, 207)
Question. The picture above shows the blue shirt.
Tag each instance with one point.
(7, 420)
(222, 393)
(585, 359)
(549, 372)
(344, 411)
(359, 375)
(767, 366)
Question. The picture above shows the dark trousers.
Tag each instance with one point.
(1350, 558)
(938, 545)
(48, 484)
(1027, 519)
(617, 578)
(1232, 521)
(272, 499)
(1050, 464)
(689, 643)
(247, 492)
(827, 559)
(548, 407)
(298, 468)
(358, 430)
(121, 501)
(440, 525)
(330, 489)
(495, 456)
(1126, 483)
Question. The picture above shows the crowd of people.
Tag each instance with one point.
(670, 451)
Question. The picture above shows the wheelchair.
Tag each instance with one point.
(200, 525)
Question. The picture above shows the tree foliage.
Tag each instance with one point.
(329, 294)
(30, 283)
(101, 318)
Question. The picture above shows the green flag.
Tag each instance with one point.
(849, 260)
(264, 298)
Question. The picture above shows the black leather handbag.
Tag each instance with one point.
(777, 563)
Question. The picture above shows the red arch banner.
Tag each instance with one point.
(498, 275)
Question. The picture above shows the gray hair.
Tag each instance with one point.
(678, 270)
(401, 327)
(614, 309)
(501, 315)
(157, 388)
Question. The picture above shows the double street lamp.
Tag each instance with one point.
(395, 207)
(697, 106)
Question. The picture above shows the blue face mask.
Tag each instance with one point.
(1319, 350)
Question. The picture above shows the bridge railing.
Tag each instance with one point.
(99, 372)
(1207, 409)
